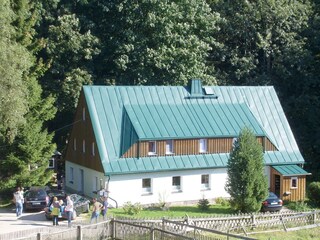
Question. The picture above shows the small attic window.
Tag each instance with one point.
(208, 91)
(83, 114)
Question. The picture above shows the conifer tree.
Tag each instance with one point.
(246, 182)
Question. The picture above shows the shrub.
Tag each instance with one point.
(298, 206)
(132, 209)
(222, 201)
(314, 193)
(203, 204)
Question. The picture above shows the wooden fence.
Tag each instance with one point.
(213, 228)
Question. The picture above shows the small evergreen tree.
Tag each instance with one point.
(246, 182)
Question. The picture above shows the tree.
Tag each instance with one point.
(153, 42)
(24, 159)
(246, 182)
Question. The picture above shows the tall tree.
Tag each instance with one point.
(153, 42)
(246, 182)
(25, 158)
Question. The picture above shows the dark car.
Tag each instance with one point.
(272, 204)
(80, 204)
(36, 198)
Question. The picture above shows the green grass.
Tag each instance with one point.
(306, 234)
(176, 211)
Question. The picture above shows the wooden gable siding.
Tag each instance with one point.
(296, 194)
(190, 147)
(82, 130)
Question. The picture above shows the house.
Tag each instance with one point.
(152, 144)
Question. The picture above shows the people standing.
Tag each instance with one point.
(96, 208)
(55, 211)
(18, 200)
(105, 208)
(69, 210)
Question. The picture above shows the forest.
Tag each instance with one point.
(49, 49)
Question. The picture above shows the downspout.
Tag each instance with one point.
(106, 188)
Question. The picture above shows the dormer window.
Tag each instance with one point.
(202, 145)
(152, 148)
(169, 147)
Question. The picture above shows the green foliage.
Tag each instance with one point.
(246, 182)
(132, 209)
(314, 193)
(299, 206)
(203, 204)
(154, 42)
(222, 201)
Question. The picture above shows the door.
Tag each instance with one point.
(277, 185)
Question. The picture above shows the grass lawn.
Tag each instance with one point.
(306, 234)
(176, 211)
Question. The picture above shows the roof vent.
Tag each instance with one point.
(195, 88)
(197, 91)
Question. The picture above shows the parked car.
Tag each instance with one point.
(272, 203)
(36, 198)
(80, 204)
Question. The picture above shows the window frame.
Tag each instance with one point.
(292, 180)
(169, 147)
(176, 187)
(203, 145)
(93, 149)
(146, 190)
(154, 148)
(71, 171)
(205, 185)
(75, 144)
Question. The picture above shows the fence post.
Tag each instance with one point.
(113, 228)
(163, 227)
(151, 233)
(253, 220)
(39, 236)
(79, 233)
(314, 217)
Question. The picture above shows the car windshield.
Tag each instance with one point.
(36, 194)
(272, 195)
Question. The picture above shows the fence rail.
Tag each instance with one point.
(213, 228)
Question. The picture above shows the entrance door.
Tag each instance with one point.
(277, 185)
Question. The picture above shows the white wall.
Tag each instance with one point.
(124, 188)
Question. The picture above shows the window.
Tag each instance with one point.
(75, 144)
(146, 185)
(205, 181)
(294, 182)
(71, 175)
(169, 147)
(96, 186)
(93, 149)
(176, 183)
(51, 163)
(83, 146)
(83, 114)
(152, 148)
(203, 145)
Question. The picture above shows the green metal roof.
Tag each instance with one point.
(123, 115)
(191, 120)
(290, 170)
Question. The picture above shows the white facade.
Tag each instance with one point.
(129, 187)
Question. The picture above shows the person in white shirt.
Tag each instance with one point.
(18, 200)
(69, 210)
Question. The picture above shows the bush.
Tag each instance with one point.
(203, 204)
(314, 193)
(132, 209)
(299, 206)
(222, 201)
